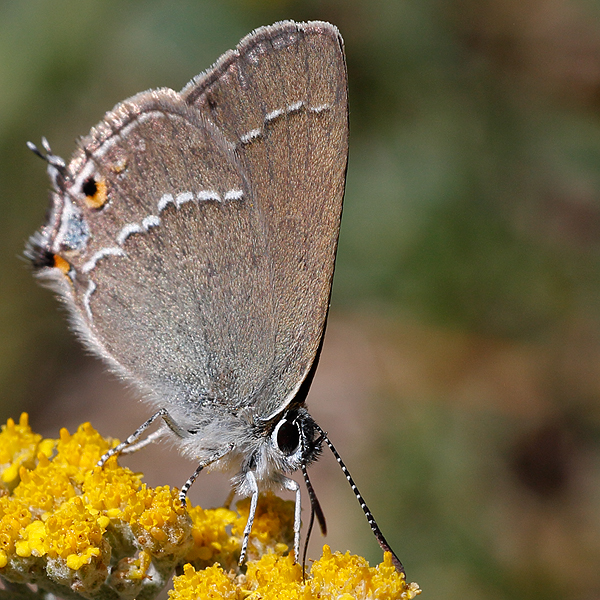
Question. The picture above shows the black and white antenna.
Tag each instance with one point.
(370, 518)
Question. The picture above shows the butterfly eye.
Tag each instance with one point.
(287, 437)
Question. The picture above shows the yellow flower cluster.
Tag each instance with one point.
(69, 524)
(334, 576)
(82, 531)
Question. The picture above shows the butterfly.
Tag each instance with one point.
(193, 237)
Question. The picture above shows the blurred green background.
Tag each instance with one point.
(460, 377)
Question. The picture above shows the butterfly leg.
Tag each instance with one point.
(293, 486)
(289, 484)
(155, 435)
(188, 484)
(130, 445)
(251, 480)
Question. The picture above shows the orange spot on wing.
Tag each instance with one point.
(98, 199)
(62, 264)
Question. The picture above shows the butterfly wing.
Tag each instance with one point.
(193, 235)
(281, 98)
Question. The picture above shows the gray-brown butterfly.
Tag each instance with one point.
(193, 236)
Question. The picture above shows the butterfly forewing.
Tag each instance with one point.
(292, 139)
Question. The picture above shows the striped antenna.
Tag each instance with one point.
(372, 523)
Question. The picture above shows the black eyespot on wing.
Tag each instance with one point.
(96, 192)
(39, 256)
(42, 258)
(89, 187)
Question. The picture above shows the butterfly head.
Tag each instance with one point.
(281, 446)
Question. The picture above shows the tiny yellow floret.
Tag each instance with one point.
(19, 446)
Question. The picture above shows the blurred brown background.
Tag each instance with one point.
(460, 378)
